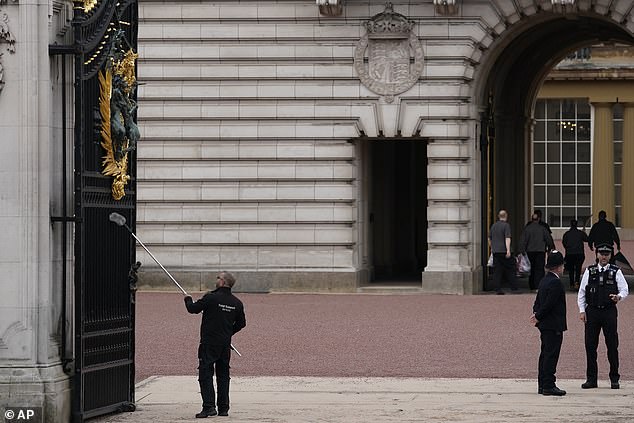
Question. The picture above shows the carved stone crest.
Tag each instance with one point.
(7, 37)
(389, 58)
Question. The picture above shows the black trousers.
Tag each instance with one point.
(212, 357)
(548, 358)
(538, 261)
(606, 319)
(503, 268)
(574, 263)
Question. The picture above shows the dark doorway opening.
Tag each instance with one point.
(398, 209)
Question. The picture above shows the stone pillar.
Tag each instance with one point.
(627, 179)
(450, 205)
(31, 373)
(603, 161)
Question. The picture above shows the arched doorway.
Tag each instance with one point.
(511, 77)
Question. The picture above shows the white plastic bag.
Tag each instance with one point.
(523, 264)
(490, 262)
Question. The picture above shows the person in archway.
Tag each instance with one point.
(604, 232)
(549, 315)
(541, 222)
(535, 242)
(223, 316)
(573, 241)
(503, 261)
(602, 287)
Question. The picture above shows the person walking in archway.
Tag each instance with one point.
(604, 232)
(541, 221)
(535, 242)
(573, 242)
(503, 261)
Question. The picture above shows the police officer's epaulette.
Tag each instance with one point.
(613, 267)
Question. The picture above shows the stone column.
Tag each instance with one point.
(31, 373)
(603, 161)
(627, 179)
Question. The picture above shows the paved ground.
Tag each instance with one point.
(330, 335)
(369, 358)
(365, 400)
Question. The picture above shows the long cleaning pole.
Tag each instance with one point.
(121, 221)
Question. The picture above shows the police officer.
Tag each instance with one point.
(602, 287)
(223, 316)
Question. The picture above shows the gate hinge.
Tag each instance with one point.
(65, 219)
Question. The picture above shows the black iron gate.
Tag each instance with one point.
(103, 381)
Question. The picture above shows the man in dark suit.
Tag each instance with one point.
(549, 315)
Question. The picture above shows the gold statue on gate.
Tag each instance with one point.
(119, 132)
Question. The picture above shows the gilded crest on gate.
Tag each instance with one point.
(389, 58)
(117, 106)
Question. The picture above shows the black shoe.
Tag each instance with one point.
(615, 385)
(223, 413)
(540, 391)
(499, 293)
(206, 413)
(554, 391)
(588, 385)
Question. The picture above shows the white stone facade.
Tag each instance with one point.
(254, 120)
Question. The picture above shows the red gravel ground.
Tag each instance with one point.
(482, 336)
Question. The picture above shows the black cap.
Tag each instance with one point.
(555, 259)
(604, 248)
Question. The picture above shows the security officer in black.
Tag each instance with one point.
(223, 316)
(549, 315)
(602, 287)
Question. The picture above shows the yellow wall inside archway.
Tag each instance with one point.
(602, 94)
(595, 91)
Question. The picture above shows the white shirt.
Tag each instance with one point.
(621, 284)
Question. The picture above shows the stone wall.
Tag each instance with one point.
(253, 115)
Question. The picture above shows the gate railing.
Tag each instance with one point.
(103, 380)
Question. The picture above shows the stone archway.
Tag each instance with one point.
(513, 69)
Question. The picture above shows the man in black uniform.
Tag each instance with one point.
(223, 316)
(549, 315)
(602, 287)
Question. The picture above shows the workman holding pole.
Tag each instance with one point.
(223, 316)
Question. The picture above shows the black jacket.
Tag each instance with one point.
(223, 315)
(550, 304)
(536, 238)
(573, 241)
(604, 232)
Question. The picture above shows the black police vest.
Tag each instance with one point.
(601, 285)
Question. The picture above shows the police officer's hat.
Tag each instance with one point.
(555, 259)
(604, 248)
